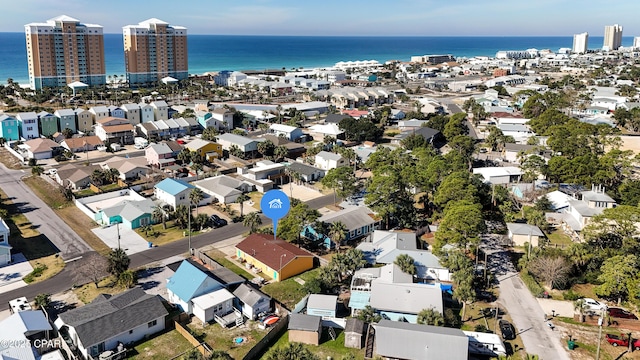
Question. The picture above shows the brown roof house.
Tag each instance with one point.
(115, 130)
(275, 258)
(42, 148)
(87, 143)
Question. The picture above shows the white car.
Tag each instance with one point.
(52, 172)
(594, 305)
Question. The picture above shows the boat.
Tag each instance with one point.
(270, 320)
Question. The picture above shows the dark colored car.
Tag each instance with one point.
(216, 221)
(507, 330)
(487, 296)
(621, 314)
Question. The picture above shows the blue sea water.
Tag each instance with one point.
(224, 52)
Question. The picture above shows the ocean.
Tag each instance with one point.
(224, 52)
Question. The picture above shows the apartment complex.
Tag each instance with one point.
(612, 37)
(580, 43)
(62, 51)
(154, 50)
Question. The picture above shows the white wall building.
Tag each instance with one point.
(580, 43)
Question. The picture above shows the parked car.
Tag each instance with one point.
(616, 340)
(216, 221)
(507, 330)
(487, 296)
(621, 313)
(594, 305)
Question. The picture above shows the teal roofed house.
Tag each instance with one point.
(132, 214)
(173, 192)
(188, 283)
(47, 123)
(9, 128)
(203, 119)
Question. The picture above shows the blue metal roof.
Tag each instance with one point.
(359, 299)
(173, 186)
(186, 281)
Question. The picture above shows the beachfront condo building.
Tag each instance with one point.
(580, 43)
(636, 42)
(155, 50)
(62, 51)
(612, 37)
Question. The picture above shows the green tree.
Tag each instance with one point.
(127, 279)
(431, 317)
(619, 278)
(252, 221)
(455, 187)
(195, 196)
(300, 215)
(67, 133)
(292, 351)
(181, 216)
(42, 301)
(280, 152)
(265, 148)
(406, 264)
(37, 170)
(414, 141)
(369, 315)
(210, 134)
(338, 233)
(240, 200)
(461, 225)
(158, 216)
(118, 262)
(341, 180)
(184, 156)
(614, 228)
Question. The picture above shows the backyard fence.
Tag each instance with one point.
(201, 346)
(276, 331)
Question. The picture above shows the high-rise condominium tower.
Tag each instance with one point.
(154, 50)
(62, 51)
(612, 37)
(580, 43)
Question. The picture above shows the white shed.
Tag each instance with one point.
(207, 306)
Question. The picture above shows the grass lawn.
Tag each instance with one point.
(54, 265)
(222, 339)
(160, 347)
(586, 290)
(110, 187)
(328, 348)
(256, 197)
(49, 193)
(160, 236)
(220, 257)
(9, 160)
(82, 225)
(559, 238)
(289, 292)
(84, 192)
(88, 292)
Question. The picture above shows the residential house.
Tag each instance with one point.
(75, 176)
(173, 192)
(160, 110)
(206, 149)
(9, 128)
(252, 301)
(359, 221)
(192, 281)
(305, 329)
(355, 332)
(306, 172)
(21, 331)
(99, 112)
(57, 137)
(335, 118)
(245, 144)
(84, 119)
(294, 149)
(223, 188)
(216, 305)
(132, 113)
(584, 206)
(67, 118)
(83, 144)
(512, 152)
(129, 168)
(322, 305)
(499, 175)
(174, 146)
(5, 248)
(175, 130)
(28, 125)
(149, 130)
(327, 160)
(291, 133)
(519, 234)
(431, 136)
(205, 119)
(159, 155)
(48, 123)
(322, 130)
(117, 112)
(42, 148)
(275, 258)
(110, 320)
(264, 169)
(132, 214)
(520, 133)
(224, 117)
(191, 125)
(413, 124)
(401, 340)
(163, 129)
(147, 113)
(115, 131)
(386, 246)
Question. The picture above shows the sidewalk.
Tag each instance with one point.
(11, 275)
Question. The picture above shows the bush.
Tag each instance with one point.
(37, 272)
(531, 283)
(481, 329)
(571, 295)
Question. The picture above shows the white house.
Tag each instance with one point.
(252, 301)
(132, 113)
(289, 132)
(5, 248)
(160, 110)
(173, 192)
(327, 160)
(146, 113)
(223, 188)
(227, 140)
(99, 113)
(499, 175)
(109, 321)
(29, 125)
(224, 117)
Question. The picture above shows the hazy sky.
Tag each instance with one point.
(346, 17)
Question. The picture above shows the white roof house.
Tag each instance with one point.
(327, 160)
(499, 175)
(289, 132)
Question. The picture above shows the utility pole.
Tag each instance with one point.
(118, 230)
(189, 229)
(600, 320)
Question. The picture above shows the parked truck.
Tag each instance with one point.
(140, 143)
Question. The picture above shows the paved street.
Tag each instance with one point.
(41, 216)
(65, 279)
(526, 313)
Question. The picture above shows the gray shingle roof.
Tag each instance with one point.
(322, 302)
(402, 340)
(248, 295)
(304, 169)
(524, 229)
(304, 322)
(107, 317)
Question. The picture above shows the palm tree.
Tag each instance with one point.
(197, 167)
(112, 175)
(201, 221)
(97, 177)
(37, 170)
(146, 229)
(195, 196)
(118, 261)
(431, 317)
(338, 233)
(252, 221)
(157, 216)
(280, 152)
(240, 200)
(182, 215)
(581, 307)
(42, 301)
(406, 264)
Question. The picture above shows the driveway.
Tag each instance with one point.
(11, 275)
(41, 216)
(525, 311)
(130, 241)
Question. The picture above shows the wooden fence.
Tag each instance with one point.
(276, 331)
(201, 346)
